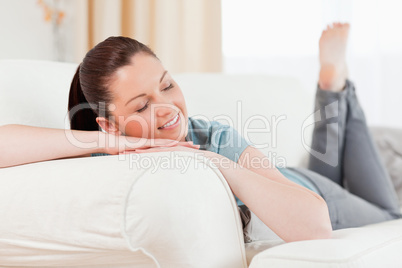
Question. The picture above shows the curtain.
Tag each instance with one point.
(184, 34)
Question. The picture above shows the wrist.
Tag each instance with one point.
(101, 137)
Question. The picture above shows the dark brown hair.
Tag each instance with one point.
(89, 94)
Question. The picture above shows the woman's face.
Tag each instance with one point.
(147, 102)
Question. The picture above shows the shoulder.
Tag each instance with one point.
(217, 137)
(200, 123)
(203, 124)
(203, 129)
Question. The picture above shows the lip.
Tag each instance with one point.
(171, 126)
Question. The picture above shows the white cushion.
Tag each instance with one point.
(35, 92)
(377, 245)
(389, 143)
(275, 109)
(111, 210)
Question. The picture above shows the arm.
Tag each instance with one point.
(293, 212)
(25, 144)
(21, 144)
(272, 172)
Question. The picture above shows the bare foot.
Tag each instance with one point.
(332, 44)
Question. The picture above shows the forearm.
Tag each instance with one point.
(292, 213)
(25, 144)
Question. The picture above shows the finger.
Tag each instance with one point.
(163, 142)
(186, 144)
(150, 150)
(159, 143)
(140, 151)
(155, 146)
(193, 146)
(128, 152)
(190, 144)
(159, 149)
(142, 147)
(172, 144)
(197, 146)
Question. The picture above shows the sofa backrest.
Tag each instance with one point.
(274, 113)
(35, 92)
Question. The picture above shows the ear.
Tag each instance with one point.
(108, 126)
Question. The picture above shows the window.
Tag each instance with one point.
(281, 38)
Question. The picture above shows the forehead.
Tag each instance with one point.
(143, 73)
(143, 68)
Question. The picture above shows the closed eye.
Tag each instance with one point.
(168, 87)
(143, 108)
(146, 105)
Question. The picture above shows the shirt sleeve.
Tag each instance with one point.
(228, 141)
(230, 144)
(216, 137)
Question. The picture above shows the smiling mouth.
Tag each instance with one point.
(171, 122)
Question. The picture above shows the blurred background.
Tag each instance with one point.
(230, 36)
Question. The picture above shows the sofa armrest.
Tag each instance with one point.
(118, 210)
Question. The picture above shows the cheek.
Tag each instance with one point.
(180, 102)
(136, 126)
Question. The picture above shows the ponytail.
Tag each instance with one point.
(81, 115)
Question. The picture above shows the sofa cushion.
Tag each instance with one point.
(377, 245)
(389, 143)
(269, 111)
(35, 92)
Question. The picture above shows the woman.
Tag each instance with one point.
(123, 88)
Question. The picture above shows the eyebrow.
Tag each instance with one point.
(143, 94)
(163, 75)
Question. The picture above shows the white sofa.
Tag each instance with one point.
(122, 211)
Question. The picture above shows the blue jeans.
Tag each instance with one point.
(346, 168)
(351, 177)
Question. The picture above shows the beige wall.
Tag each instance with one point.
(25, 34)
(186, 35)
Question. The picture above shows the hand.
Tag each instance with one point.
(181, 146)
(113, 144)
(211, 156)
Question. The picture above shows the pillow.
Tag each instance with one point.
(389, 143)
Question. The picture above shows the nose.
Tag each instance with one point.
(163, 110)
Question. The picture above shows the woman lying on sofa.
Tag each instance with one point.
(122, 88)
